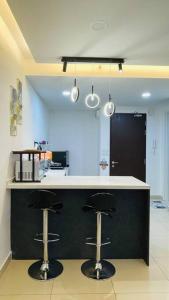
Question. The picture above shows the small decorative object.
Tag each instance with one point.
(103, 164)
(74, 92)
(43, 145)
(19, 102)
(13, 111)
(92, 100)
(109, 108)
(15, 107)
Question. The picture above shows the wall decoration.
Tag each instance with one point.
(19, 103)
(13, 111)
(103, 164)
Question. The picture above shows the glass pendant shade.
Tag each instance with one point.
(109, 108)
(92, 100)
(74, 93)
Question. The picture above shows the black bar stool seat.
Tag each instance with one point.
(45, 268)
(101, 204)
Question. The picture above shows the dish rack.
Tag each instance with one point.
(32, 155)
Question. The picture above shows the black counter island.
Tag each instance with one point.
(128, 230)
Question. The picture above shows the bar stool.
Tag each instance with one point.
(102, 205)
(45, 268)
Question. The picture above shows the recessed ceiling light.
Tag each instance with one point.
(66, 93)
(146, 95)
(99, 25)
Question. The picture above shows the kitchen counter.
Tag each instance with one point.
(55, 179)
(128, 229)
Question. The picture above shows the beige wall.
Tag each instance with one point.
(34, 126)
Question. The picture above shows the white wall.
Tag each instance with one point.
(159, 157)
(77, 132)
(34, 126)
(104, 148)
(35, 116)
(153, 152)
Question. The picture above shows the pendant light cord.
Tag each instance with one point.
(109, 82)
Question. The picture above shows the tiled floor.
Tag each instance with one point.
(133, 280)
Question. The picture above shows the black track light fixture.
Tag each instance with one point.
(95, 60)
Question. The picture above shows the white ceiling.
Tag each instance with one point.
(137, 30)
(124, 91)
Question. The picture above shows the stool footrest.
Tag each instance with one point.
(55, 237)
(92, 241)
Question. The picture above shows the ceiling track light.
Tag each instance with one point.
(64, 66)
(120, 67)
(95, 60)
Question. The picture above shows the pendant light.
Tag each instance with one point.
(92, 100)
(109, 108)
(74, 95)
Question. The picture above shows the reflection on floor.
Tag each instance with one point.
(133, 280)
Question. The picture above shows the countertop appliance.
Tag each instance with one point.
(60, 159)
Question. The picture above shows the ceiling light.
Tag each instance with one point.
(64, 66)
(66, 93)
(109, 108)
(99, 25)
(74, 93)
(120, 68)
(89, 60)
(146, 95)
(92, 100)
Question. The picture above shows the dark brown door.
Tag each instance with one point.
(128, 145)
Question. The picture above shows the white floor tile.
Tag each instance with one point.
(84, 297)
(137, 270)
(143, 296)
(133, 279)
(72, 281)
(160, 246)
(15, 281)
(163, 263)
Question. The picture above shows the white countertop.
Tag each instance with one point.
(54, 180)
(56, 173)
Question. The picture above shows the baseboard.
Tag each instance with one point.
(5, 263)
(156, 197)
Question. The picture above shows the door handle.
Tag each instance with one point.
(113, 163)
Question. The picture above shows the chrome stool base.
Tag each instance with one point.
(103, 270)
(42, 271)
